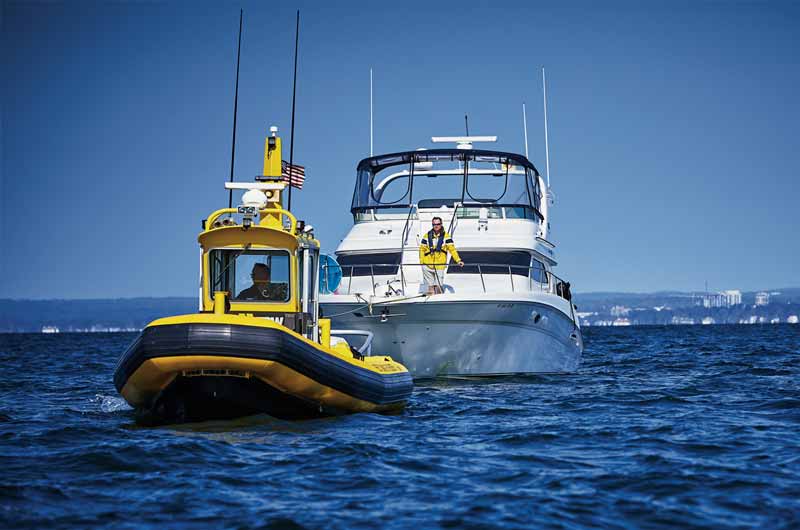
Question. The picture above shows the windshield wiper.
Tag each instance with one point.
(246, 248)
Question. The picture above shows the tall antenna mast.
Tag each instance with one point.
(466, 123)
(294, 94)
(235, 105)
(370, 112)
(525, 128)
(546, 145)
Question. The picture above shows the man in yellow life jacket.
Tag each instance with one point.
(433, 255)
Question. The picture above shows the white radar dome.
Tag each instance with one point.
(254, 198)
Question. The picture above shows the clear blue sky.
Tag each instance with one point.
(673, 134)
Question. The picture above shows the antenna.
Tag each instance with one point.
(370, 112)
(235, 105)
(546, 145)
(466, 123)
(294, 93)
(525, 128)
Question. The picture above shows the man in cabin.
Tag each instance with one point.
(263, 288)
(433, 255)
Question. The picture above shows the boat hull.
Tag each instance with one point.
(468, 338)
(200, 370)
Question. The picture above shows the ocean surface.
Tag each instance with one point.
(662, 427)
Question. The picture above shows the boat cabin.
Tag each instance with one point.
(493, 203)
(258, 259)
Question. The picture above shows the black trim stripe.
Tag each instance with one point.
(269, 344)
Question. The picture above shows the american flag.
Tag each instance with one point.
(293, 174)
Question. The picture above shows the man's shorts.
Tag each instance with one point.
(433, 277)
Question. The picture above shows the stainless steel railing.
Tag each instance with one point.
(536, 278)
(539, 281)
(366, 347)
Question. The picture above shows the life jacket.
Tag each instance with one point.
(439, 243)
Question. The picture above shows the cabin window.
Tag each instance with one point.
(375, 264)
(520, 212)
(251, 275)
(474, 212)
(493, 263)
(538, 271)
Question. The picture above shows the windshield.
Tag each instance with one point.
(251, 275)
(431, 179)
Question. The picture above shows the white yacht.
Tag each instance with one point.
(504, 312)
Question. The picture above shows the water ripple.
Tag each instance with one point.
(660, 428)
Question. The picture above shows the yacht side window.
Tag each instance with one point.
(374, 264)
(493, 263)
(538, 271)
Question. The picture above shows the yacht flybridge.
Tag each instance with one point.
(503, 312)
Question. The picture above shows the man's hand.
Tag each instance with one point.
(460, 263)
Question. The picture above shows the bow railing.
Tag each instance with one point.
(521, 278)
(528, 279)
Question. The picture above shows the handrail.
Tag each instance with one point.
(219, 213)
(551, 283)
(404, 240)
(280, 211)
(406, 231)
(286, 213)
(483, 283)
(366, 347)
(454, 217)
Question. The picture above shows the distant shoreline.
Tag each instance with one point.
(121, 331)
(607, 309)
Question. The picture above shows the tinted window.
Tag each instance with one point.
(383, 263)
(493, 263)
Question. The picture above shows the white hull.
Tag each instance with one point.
(445, 335)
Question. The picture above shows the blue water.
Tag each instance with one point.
(676, 427)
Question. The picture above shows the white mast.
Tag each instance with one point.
(546, 145)
(525, 129)
(370, 112)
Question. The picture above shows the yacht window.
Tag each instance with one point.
(471, 211)
(391, 186)
(377, 264)
(252, 275)
(534, 190)
(516, 212)
(492, 263)
(488, 182)
(437, 203)
(538, 271)
(494, 179)
(437, 190)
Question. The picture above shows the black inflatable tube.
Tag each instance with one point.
(269, 344)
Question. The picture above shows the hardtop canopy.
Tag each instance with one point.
(383, 182)
(380, 162)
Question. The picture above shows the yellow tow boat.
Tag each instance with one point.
(258, 344)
